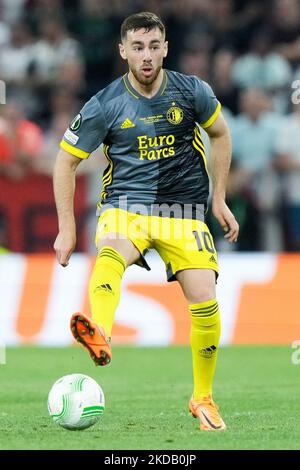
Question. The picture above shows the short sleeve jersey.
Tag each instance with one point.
(153, 146)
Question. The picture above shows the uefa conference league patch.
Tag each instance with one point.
(76, 123)
(74, 126)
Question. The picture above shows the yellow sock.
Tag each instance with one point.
(205, 336)
(105, 287)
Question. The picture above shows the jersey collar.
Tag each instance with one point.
(137, 95)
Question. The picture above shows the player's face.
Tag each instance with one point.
(144, 51)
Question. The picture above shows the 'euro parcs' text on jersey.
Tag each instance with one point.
(153, 145)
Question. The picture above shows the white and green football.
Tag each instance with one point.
(76, 401)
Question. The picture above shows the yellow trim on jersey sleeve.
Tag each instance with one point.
(212, 118)
(73, 150)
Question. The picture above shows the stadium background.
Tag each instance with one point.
(54, 55)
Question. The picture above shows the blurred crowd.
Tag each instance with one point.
(55, 54)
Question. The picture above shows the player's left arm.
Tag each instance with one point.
(220, 142)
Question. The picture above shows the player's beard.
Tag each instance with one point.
(146, 81)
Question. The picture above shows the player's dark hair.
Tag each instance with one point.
(145, 19)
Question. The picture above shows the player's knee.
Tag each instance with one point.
(122, 246)
(202, 294)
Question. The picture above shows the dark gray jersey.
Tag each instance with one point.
(153, 146)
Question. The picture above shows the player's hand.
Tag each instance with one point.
(226, 219)
(64, 246)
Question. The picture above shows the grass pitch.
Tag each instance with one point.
(147, 392)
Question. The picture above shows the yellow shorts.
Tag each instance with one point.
(181, 243)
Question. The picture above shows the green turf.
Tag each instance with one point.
(147, 391)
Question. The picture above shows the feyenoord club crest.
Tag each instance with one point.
(175, 115)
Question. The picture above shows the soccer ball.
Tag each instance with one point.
(76, 402)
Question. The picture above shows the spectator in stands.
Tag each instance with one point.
(62, 101)
(35, 11)
(264, 68)
(54, 48)
(4, 32)
(223, 23)
(195, 63)
(16, 56)
(224, 88)
(12, 11)
(71, 78)
(288, 162)
(189, 31)
(20, 142)
(98, 28)
(56, 56)
(285, 25)
(240, 200)
(254, 132)
(247, 16)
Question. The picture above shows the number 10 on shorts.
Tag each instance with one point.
(204, 241)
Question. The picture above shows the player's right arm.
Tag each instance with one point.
(85, 133)
(64, 190)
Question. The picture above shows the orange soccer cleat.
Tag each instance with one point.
(208, 413)
(92, 338)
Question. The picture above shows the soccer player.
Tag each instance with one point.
(154, 195)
